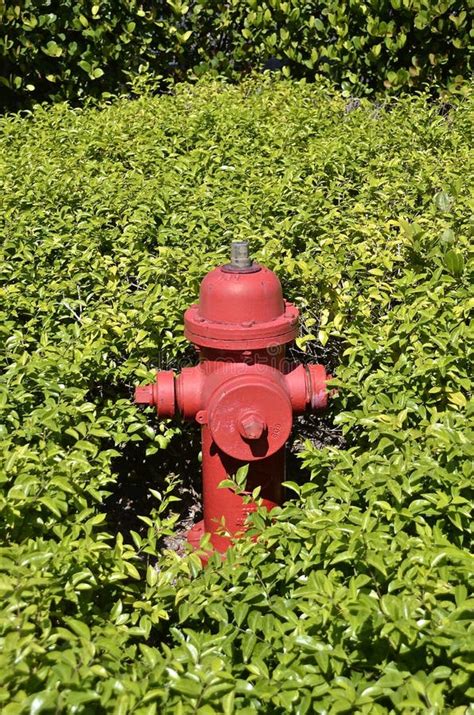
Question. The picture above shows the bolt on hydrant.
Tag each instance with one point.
(244, 393)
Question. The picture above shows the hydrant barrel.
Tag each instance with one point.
(225, 512)
(243, 392)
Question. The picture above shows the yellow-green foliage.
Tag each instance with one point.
(355, 598)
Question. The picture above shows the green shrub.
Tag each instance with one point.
(362, 46)
(356, 596)
(71, 50)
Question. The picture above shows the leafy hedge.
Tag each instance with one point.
(72, 49)
(362, 46)
(356, 597)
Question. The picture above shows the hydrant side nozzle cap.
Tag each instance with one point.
(318, 389)
(144, 395)
(160, 393)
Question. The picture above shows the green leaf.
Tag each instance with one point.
(52, 49)
(186, 687)
(454, 262)
(78, 627)
(443, 201)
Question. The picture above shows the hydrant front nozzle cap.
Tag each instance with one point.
(144, 395)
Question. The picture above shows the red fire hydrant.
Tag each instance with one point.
(243, 392)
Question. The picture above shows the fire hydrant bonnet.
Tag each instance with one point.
(246, 310)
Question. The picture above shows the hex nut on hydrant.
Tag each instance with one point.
(244, 393)
(251, 425)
